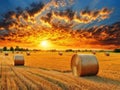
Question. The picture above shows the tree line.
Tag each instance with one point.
(17, 48)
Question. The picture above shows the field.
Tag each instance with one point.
(50, 71)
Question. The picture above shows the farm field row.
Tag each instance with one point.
(50, 71)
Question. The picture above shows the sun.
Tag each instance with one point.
(45, 43)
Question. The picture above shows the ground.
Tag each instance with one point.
(51, 71)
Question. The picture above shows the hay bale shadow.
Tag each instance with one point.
(102, 79)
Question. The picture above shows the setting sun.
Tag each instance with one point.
(45, 43)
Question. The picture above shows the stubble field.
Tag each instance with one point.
(50, 71)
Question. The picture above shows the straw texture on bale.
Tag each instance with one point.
(6, 53)
(107, 53)
(60, 53)
(93, 52)
(28, 53)
(17, 52)
(18, 59)
(84, 65)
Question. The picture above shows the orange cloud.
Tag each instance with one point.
(29, 27)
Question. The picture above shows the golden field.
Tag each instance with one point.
(50, 71)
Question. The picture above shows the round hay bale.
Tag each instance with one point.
(18, 60)
(94, 52)
(17, 52)
(84, 65)
(107, 53)
(6, 53)
(60, 53)
(28, 53)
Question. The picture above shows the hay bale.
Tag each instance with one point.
(18, 59)
(94, 52)
(6, 53)
(60, 53)
(17, 52)
(28, 53)
(107, 53)
(84, 65)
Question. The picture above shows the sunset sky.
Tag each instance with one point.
(60, 24)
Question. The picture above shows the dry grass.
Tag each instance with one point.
(41, 73)
(49, 60)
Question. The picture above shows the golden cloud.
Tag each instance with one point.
(42, 23)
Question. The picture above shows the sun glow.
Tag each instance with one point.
(45, 43)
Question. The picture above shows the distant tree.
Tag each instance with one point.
(53, 50)
(101, 51)
(11, 49)
(4, 48)
(21, 49)
(26, 49)
(78, 50)
(117, 50)
(17, 48)
(69, 50)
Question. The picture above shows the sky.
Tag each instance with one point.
(60, 24)
(6, 5)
